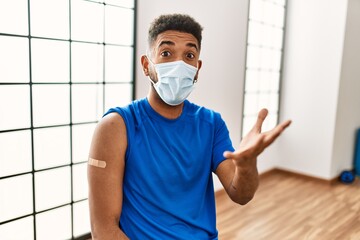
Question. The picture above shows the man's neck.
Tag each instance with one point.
(165, 110)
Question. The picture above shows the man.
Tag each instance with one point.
(151, 162)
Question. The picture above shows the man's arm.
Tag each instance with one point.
(238, 173)
(108, 145)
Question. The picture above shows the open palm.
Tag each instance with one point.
(255, 141)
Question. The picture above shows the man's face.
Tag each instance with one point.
(173, 46)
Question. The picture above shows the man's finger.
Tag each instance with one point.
(274, 133)
(260, 119)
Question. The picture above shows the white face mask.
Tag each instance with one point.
(175, 81)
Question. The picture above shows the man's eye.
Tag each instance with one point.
(190, 55)
(165, 54)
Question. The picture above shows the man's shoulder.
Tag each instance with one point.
(203, 112)
(111, 125)
(127, 108)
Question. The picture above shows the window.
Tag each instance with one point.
(63, 63)
(263, 61)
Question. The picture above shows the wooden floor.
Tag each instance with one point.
(287, 206)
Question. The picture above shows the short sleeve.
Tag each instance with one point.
(221, 143)
(125, 113)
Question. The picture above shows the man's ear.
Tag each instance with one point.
(198, 67)
(145, 65)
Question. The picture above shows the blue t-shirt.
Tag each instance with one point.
(168, 188)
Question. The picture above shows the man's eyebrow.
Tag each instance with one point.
(192, 45)
(166, 42)
(172, 44)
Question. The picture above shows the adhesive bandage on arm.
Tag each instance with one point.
(97, 163)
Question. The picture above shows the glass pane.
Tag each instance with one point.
(87, 102)
(270, 59)
(52, 188)
(248, 124)
(50, 61)
(118, 64)
(274, 81)
(277, 61)
(256, 33)
(14, 59)
(18, 230)
(87, 21)
(51, 104)
(253, 57)
(16, 114)
(252, 81)
(54, 224)
(50, 18)
(117, 95)
(16, 197)
(82, 135)
(13, 161)
(87, 62)
(273, 37)
(256, 10)
(266, 58)
(273, 102)
(51, 147)
(279, 2)
(274, 14)
(250, 104)
(119, 25)
(270, 122)
(14, 17)
(80, 184)
(123, 3)
(264, 83)
(263, 101)
(81, 218)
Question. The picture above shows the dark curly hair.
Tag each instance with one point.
(178, 22)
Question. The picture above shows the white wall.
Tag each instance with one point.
(348, 108)
(220, 85)
(313, 55)
(320, 90)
